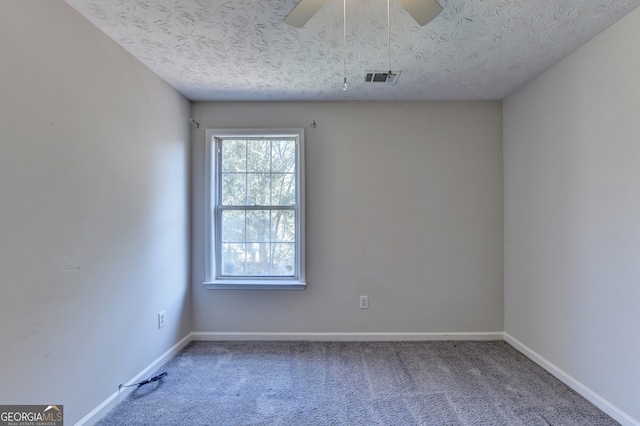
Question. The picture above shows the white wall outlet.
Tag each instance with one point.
(162, 319)
(364, 302)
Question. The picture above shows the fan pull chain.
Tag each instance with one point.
(389, 34)
(344, 44)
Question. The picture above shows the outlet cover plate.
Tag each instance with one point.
(364, 302)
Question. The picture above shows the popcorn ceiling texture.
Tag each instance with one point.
(242, 50)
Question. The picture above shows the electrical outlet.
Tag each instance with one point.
(162, 319)
(364, 302)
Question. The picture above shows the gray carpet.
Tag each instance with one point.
(354, 383)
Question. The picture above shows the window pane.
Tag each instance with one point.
(259, 156)
(234, 189)
(233, 259)
(283, 156)
(283, 226)
(283, 259)
(234, 156)
(258, 185)
(259, 222)
(283, 189)
(258, 226)
(233, 226)
(258, 255)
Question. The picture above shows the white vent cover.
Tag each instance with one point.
(390, 77)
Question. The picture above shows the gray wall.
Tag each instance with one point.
(572, 215)
(93, 211)
(404, 204)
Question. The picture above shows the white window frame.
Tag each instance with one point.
(212, 219)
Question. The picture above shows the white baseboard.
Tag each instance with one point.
(119, 395)
(597, 400)
(345, 337)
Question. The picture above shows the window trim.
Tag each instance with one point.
(211, 214)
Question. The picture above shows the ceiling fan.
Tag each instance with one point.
(423, 11)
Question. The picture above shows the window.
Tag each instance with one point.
(255, 209)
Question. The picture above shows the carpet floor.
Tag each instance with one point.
(354, 383)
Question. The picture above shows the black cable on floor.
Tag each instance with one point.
(144, 382)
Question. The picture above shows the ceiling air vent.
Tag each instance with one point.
(382, 77)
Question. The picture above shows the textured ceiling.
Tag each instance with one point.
(241, 49)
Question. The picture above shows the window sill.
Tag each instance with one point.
(254, 285)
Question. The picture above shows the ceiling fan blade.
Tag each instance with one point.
(423, 11)
(302, 12)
